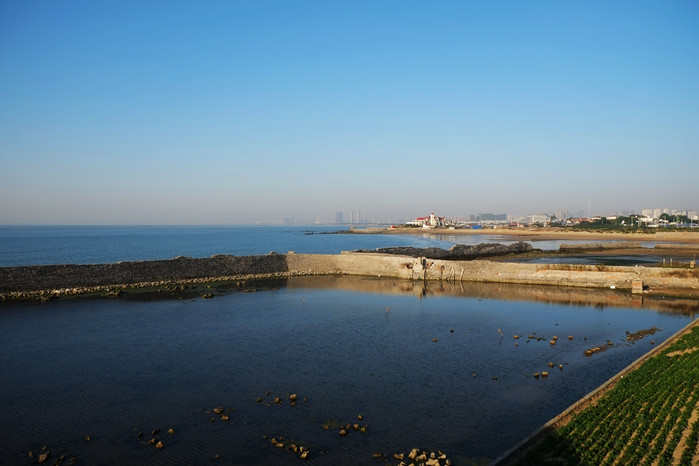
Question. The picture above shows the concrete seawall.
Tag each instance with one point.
(35, 279)
(590, 276)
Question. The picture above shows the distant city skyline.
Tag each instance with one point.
(355, 217)
(271, 112)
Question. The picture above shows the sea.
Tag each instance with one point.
(40, 245)
(266, 370)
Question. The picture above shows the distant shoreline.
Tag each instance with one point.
(541, 234)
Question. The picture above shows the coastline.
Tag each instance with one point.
(543, 234)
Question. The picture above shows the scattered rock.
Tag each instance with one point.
(641, 333)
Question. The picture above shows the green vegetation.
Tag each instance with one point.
(629, 224)
(633, 224)
(651, 416)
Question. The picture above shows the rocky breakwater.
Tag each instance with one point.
(458, 251)
(47, 281)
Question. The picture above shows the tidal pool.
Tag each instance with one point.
(433, 367)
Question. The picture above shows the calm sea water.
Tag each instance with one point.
(34, 245)
(425, 370)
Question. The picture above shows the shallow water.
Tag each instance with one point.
(112, 368)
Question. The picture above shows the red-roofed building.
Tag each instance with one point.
(428, 222)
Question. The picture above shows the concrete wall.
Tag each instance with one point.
(592, 276)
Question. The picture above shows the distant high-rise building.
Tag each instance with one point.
(338, 218)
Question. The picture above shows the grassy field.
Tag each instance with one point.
(650, 417)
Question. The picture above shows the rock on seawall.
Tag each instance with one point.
(458, 251)
(43, 277)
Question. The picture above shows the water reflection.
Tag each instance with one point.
(505, 291)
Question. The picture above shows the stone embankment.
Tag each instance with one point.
(56, 280)
(38, 281)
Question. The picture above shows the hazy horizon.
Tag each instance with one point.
(241, 112)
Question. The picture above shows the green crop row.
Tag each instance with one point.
(642, 420)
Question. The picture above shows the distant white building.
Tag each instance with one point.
(540, 218)
(428, 222)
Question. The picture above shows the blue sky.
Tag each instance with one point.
(118, 112)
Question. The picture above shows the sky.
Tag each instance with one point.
(232, 112)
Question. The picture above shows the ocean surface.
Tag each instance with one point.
(41, 245)
(36, 245)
